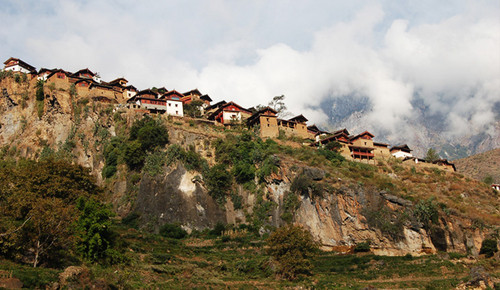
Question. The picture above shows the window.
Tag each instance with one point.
(176, 105)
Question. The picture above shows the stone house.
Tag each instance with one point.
(267, 121)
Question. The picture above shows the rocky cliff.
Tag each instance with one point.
(342, 204)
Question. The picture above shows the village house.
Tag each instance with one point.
(147, 100)
(315, 133)
(381, 150)
(295, 126)
(194, 95)
(105, 93)
(174, 105)
(60, 78)
(496, 186)
(361, 146)
(120, 84)
(43, 73)
(445, 165)
(17, 65)
(267, 121)
(230, 113)
(84, 73)
(401, 151)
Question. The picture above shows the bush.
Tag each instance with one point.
(292, 247)
(218, 229)
(218, 182)
(134, 155)
(488, 247)
(108, 171)
(94, 236)
(149, 132)
(362, 247)
(426, 212)
(173, 231)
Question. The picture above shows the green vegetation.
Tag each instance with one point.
(173, 231)
(193, 109)
(292, 247)
(489, 247)
(431, 155)
(40, 202)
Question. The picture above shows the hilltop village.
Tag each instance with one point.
(122, 95)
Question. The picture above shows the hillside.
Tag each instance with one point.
(160, 170)
(481, 166)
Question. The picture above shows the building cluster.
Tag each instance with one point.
(360, 147)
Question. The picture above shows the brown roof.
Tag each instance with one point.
(21, 63)
(265, 111)
(402, 147)
(299, 119)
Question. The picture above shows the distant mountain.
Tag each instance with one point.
(481, 165)
(422, 130)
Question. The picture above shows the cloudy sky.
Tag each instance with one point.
(446, 52)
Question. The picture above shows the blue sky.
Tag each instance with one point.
(250, 51)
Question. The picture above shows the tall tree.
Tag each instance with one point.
(431, 155)
(278, 104)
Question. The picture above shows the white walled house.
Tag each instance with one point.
(401, 151)
(174, 103)
(17, 65)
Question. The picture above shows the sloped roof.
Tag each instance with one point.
(192, 92)
(83, 71)
(21, 63)
(206, 98)
(172, 95)
(255, 116)
(402, 147)
(299, 119)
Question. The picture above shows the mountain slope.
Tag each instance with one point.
(481, 165)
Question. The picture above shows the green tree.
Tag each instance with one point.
(218, 182)
(38, 208)
(489, 247)
(292, 247)
(431, 155)
(193, 109)
(94, 235)
(149, 132)
(278, 104)
(39, 90)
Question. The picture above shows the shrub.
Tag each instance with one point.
(94, 238)
(132, 220)
(134, 155)
(290, 204)
(218, 182)
(362, 247)
(154, 162)
(173, 231)
(149, 132)
(426, 212)
(108, 171)
(488, 247)
(292, 247)
(218, 229)
(243, 172)
(301, 184)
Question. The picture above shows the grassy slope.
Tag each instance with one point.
(157, 262)
(481, 165)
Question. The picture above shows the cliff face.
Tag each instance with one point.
(344, 214)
